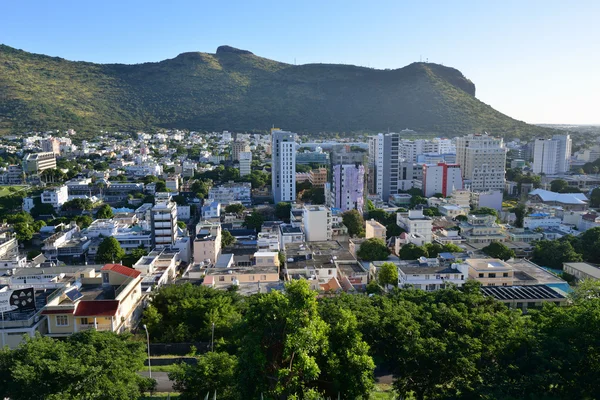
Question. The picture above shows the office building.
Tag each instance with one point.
(245, 159)
(552, 156)
(34, 163)
(483, 161)
(164, 222)
(51, 145)
(441, 178)
(283, 168)
(348, 187)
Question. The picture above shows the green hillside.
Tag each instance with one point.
(237, 90)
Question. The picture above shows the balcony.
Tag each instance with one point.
(98, 327)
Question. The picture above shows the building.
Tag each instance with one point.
(318, 177)
(312, 157)
(409, 150)
(51, 145)
(481, 229)
(288, 234)
(429, 278)
(568, 201)
(489, 271)
(441, 178)
(283, 168)
(552, 156)
(414, 222)
(109, 301)
(348, 187)
(211, 210)
(384, 160)
(207, 242)
(525, 297)
(237, 148)
(317, 223)
(245, 159)
(164, 223)
(158, 268)
(232, 192)
(342, 154)
(172, 183)
(541, 220)
(581, 270)
(34, 163)
(55, 196)
(483, 161)
(374, 229)
(13, 175)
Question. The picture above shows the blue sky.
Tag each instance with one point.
(537, 61)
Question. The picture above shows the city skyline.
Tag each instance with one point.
(530, 61)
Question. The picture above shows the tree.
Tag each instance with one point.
(498, 250)
(416, 200)
(254, 221)
(78, 205)
(42, 209)
(86, 365)
(520, 212)
(129, 260)
(161, 186)
(105, 212)
(280, 358)
(485, 211)
(433, 249)
(235, 208)
(109, 251)
(373, 249)
(558, 185)
(282, 211)
(355, 223)
(83, 221)
(588, 244)
(227, 239)
(33, 254)
(553, 253)
(431, 212)
(461, 218)
(181, 224)
(411, 251)
(388, 274)
(23, 231)
(595, 198)
(451, 248)
(214, 371)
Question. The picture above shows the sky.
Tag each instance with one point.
(536, 61)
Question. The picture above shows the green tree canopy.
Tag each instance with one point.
(105, 212)
(282, 211)
(235, 208)
(373, 249)
(214, 371)
(254, 221)
(411, 251)
(553, 253)
(355, 223)
(227, 238)
(109, 251)
(498, 250)
(388, 274)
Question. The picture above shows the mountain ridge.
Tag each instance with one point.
(237, 90)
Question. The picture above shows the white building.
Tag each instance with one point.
(414, 222)
(164, 223)
(317, 223)
(56, 196)
(232, 192)
(552, 156)
(245, 159)
(541, 220)
(483, 161)
(184, 213)
(28, 204)
(283, 167)
(441, 178)
(268, 241)
(409, 150)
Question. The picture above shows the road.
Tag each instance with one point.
(163, 384)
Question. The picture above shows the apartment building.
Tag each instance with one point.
(164, 223)
(245, 159)
(109, 301)
(552, 156)
(231, 192)
(482, 229)
(34, 163)
(488, 271)
(347, 191)
(55, 196)
(414, 222)
(207, 242)
(283, 167)
(483, 161)
(374, 229)
(237, 148)
(318, 177)
(51, 145)
(384, 160)
(317, 223)
(441, 178)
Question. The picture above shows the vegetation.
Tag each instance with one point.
(195, 90)
(227, 238)
(388, 274)
(254, 221)
(498, 250)
(353, 220)
(109, 251)
(105, 212)
(236, 208)
(373, 249)
(282, 211)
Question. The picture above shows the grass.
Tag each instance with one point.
(383, 392)
(160, 396)
(7, 190)
(163, 368)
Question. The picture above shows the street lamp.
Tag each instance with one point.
(148, 342)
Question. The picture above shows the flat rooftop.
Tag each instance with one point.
(515, 293)
(242, 270)
(527, 273)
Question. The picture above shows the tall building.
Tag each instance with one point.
(238, 147)
(552, 156)
(51, 145)
(384, 164)
(164, 222)
(318, 177)
(441, 178)
(483, 161)
(347, 190)
(317, 223)
(283, 167)
(34, 163)
(245, 163)
(410, 149)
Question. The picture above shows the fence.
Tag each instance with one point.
(180, 349)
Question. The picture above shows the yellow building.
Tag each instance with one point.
(109, 301)
(318, 177)
(375, 229)
(489, 271)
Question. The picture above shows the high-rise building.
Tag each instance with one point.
(283, 167)
(245, 163)
(410, 149)
(383, 164)
(483, 161)
(164, 221)
(51, 145)
(441, 178)
(552, 156)
(238, 147)
(347, 190)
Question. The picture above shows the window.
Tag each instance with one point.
(491, 275)
(263, 277)
(481, 275)
(62, 320)
(221, 279)
(505, 275)
(83, 321)
(105, 277)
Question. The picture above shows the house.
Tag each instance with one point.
(109, 301)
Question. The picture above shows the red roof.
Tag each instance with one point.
(63, 311)
(97, 308)
(121, 269)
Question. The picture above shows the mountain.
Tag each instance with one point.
(236, 90)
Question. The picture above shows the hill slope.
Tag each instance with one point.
(237, 90)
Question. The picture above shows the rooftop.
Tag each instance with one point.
(585, 268)
(533, 292)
